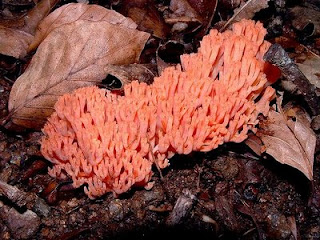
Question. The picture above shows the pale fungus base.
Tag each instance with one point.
(110, 142)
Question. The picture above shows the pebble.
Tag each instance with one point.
(116, 210)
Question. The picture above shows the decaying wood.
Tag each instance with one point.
(278, 56)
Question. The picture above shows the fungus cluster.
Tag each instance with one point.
(109, 142)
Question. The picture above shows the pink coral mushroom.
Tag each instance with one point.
(109, 142)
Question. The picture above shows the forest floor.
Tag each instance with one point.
(228, 193)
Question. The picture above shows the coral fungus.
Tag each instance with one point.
(110, 142)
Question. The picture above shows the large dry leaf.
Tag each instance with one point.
(246, 10)
(17, 34)
(74, 12)
(289, 139)
(73, 55)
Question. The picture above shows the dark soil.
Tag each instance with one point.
(228, 193)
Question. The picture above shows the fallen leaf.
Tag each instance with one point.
(288, 138)
(192, 14)
(206, 9)
(182, 11)
(16, 4)
(306, 20)
(246, 10)
(230, 4)
(300, 124)
(74, 12)
(293, 226)
(71, 56)
(16, 35)
(14, 42)
(255, 144)
(146, 15)
(310, 68)
(249, 9)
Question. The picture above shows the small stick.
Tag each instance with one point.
(21, 199)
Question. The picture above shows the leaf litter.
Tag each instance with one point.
(69, 58)
(70, 13)
(287, 136)
(246, 10)
(310, 68)
(278, 197)
(17, 34)
(146, 15)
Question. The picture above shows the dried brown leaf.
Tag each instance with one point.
(191, 15)
(299, 122)
(146, 15)
(246, 10)
(230, 4)
(293, 226)
(14, 42)
(182, 9)
(306, 20)
(16, 35)
(290, 140)
(78, 11)
(73, 55)
(310, 68)
(206, 9)
(255, 143)
(249, 8)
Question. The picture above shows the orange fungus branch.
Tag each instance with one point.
(109, 143)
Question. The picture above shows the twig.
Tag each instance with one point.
(21, 199)
(276, 55)
(234, 16)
